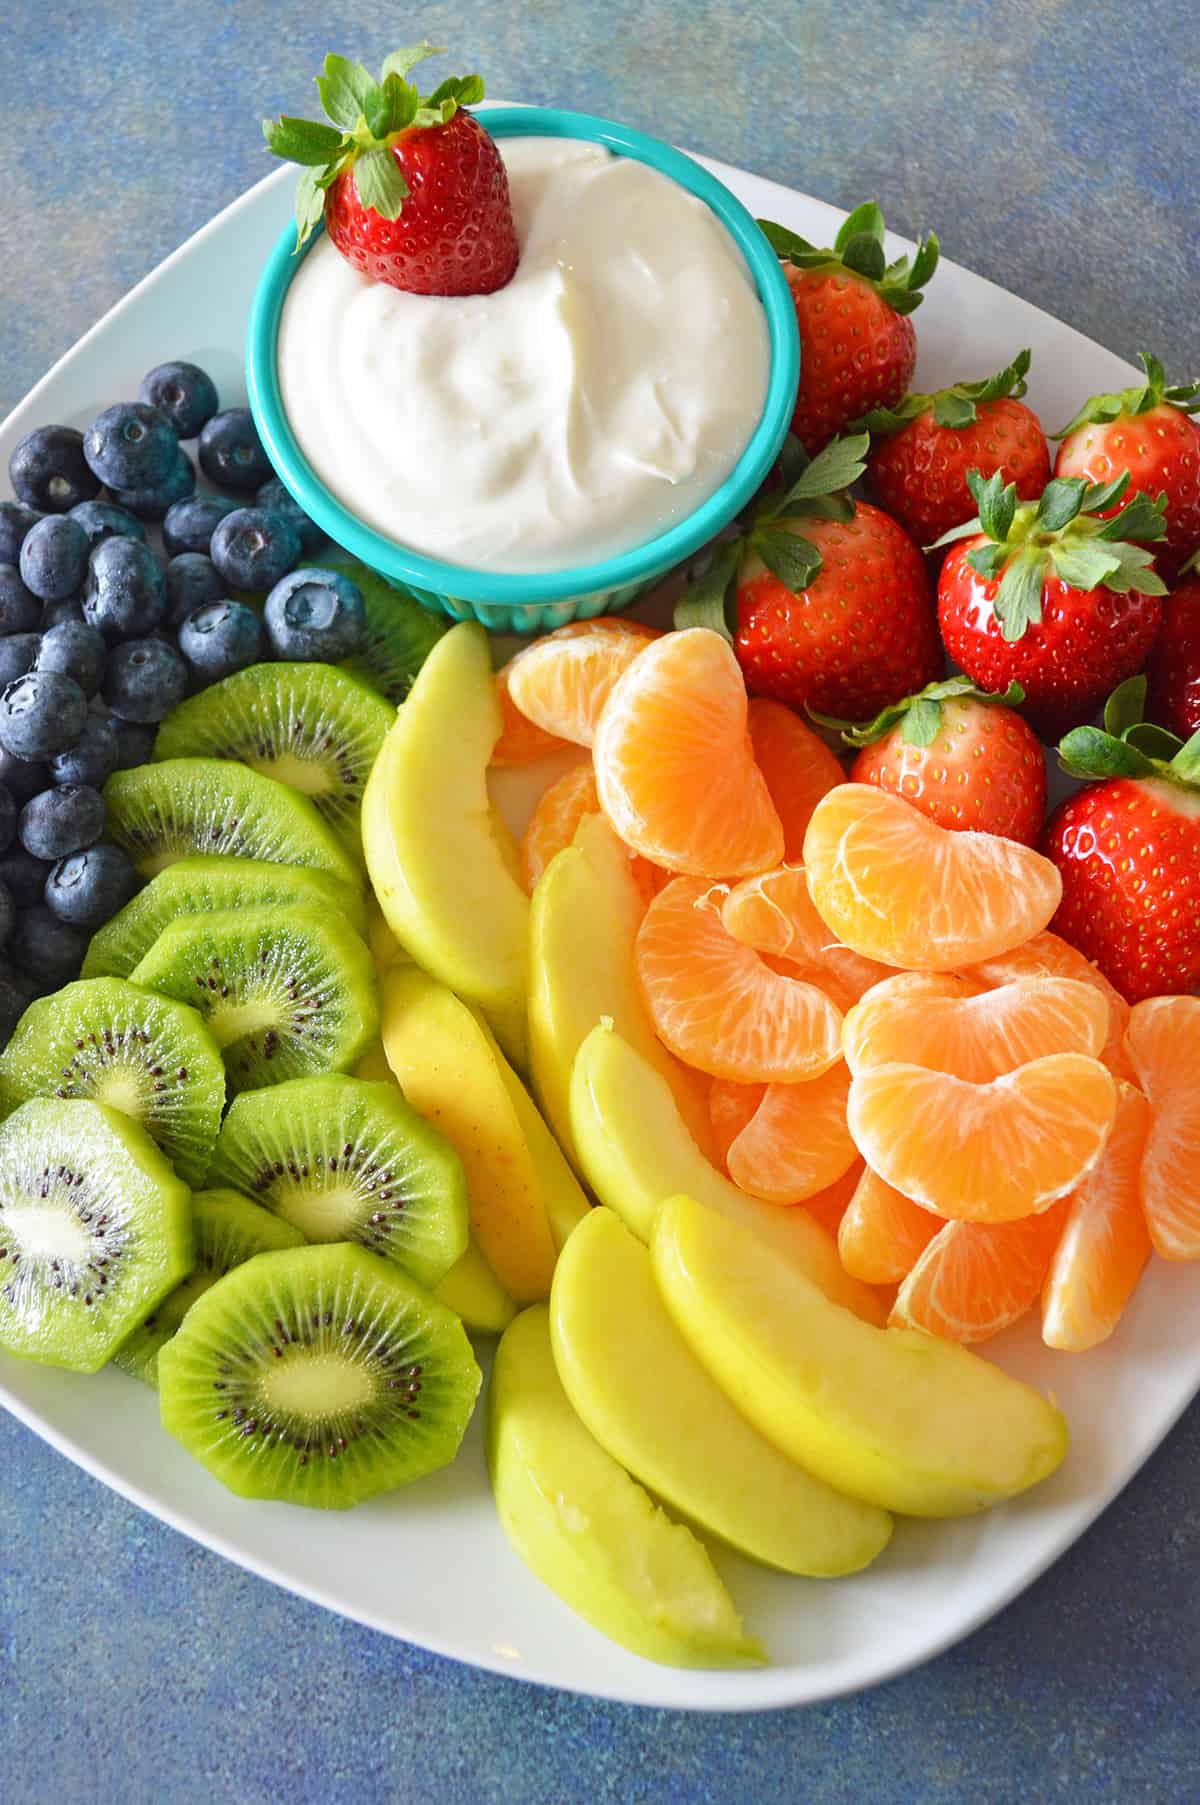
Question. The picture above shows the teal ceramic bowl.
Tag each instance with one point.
(535, 603)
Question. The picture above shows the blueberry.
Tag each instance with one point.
(15, 522)
(21, 777)
(153, 503)
(144, 679)
(16, 994)
(192, 580)
(220, 638)
(130, 446)
(231, 453)
(8, 817)
(253, 549)
(41, 713)
(101, 520)
(20, 609)
(183, 393)
(46, 948)
(76, 650)
(190, 523)
(48, 470)
(315, 614)
(87, 888)
(18, 654)
(94, 759)
(54, 557)
(125, 594)
(55, 613)
(23, 876)
(62, 820)
(135, 743)
(8, 914)
(277, 500)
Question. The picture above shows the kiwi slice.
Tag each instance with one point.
(310, 726)
(286, 992)
(226, 1229)
(400, 633)
(95, 1229)
(160, 813)
(319, 1376)
(197, 886)
(146, 1055)
(343, 1159)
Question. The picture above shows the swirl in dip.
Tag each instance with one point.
(590, 405)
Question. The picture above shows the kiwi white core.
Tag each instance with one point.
(298, 773)
(124, 1089)
(45, 1232)
(230, 1021)
(320, 1215)
(312, 1384)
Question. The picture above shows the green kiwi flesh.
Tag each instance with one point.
(400, 633)
(310, 726)
(319, 1376)
(285, 992)
(343, 1159)
(115, 1043)
(226, 1230)
(168, 811)
(197, 885)
(95, 1229)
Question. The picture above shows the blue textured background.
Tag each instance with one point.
(1055, 149)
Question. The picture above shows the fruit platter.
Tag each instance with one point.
(601, 1050)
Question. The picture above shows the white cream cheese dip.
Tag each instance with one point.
(596, 400)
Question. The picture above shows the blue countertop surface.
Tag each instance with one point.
(1055, 150)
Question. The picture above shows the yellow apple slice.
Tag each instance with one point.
(472, 1290)
(589, 1531)
(586, 912)
(562, 1194)
(433, 849)
(635, 1151)
(452, 1072)
(901, 1419)
(635, 1383)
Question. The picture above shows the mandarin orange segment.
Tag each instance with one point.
(674, 764)
(718, 1006)
(798, 767)
(796, 1143)
(974, 1280)
(882, 1234)
(1048, 955)
(730, 1107)
(1105, 1243)
(831, 1204)
(552, 824)
(896, 887)
(562, 685)
(1163, 1041)
(521, 742)
(774, 914)
(984, 1152)
(974, 1037)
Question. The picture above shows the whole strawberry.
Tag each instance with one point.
(922, 450)
(1128, 848)
(1057, 595)
(1174, 665)
(857, 344)
(964, 758)
(1145, 430)
(413, 191)
(827, 600)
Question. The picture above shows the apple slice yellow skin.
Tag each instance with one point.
(901, 1419)
(452, 1072)
(636, 1151)
(586, 912)
(589, 1531)
(433, 849)
(635, 1383)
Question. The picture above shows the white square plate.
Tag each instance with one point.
(431, 1565)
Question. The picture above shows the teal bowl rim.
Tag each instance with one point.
(654, 556)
